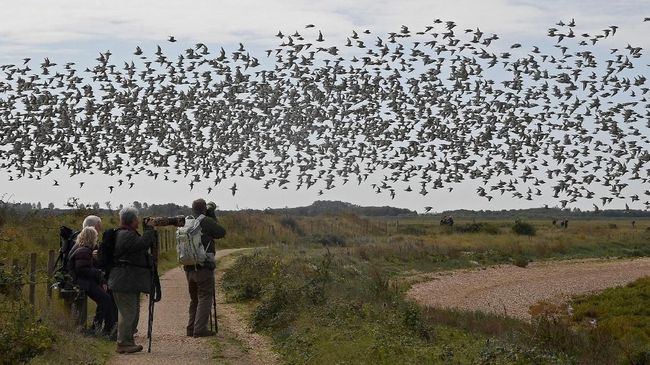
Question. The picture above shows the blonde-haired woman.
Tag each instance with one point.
(91, 279)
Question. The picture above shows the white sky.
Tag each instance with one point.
(76, 30)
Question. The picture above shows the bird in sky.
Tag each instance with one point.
(411, 111)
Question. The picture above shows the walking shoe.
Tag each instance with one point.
(128, 348)
(205, 334)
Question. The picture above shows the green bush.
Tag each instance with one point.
(292, 224)
(276, 306)
(480, 227)
(523, 228)
(247, 277)
(22, 336)
(10, 282)
(329, 239)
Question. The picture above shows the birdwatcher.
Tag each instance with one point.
(98, 325)
(130, 276)
(211, 210)
(91, 280)
(200, 277)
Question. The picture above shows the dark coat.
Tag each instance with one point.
(82, 268)
(132, 270)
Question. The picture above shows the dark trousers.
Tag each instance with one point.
(105, 314)
(101, 317)
(201, 287)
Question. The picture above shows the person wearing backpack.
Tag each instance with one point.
(200, 275)
(130, 275)
(89, 278)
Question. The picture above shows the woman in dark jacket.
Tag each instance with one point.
(89, 278)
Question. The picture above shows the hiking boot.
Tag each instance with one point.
(204, 334)
(128, 348)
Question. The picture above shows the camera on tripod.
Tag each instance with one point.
(178, 221)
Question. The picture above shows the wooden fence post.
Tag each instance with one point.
(50, 274)
(32, 279)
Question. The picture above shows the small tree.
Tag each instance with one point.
(50, 206)
(523, 228)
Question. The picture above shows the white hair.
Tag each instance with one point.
(128, 215)
(91, 221)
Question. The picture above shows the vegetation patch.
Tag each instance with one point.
(624, 314)
(478, 227)
(523, 228)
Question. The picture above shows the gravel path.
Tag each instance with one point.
(170, 344)
(511, 290)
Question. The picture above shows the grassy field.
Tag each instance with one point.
(344, 303)
(330, 289)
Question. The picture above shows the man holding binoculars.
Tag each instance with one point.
(200, 276)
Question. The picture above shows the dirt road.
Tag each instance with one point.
(511, 290)
(170, 344)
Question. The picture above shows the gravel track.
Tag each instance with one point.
(511, 290)
(170, 344)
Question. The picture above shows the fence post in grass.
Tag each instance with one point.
(32, 279)
(50, 274)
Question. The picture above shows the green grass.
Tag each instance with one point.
(624, 312)
(324, 307)
(349, 307)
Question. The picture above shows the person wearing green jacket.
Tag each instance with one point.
(130, 276)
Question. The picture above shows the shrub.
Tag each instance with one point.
(275, 308)
(246, 278)
(521, 261)
(480, 227)
(292, 224)
(330, 239)
(523, 228)
(10, 282)
(22, 336)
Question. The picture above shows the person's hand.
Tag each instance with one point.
(148, 223)
(95, 254)
(104, 287)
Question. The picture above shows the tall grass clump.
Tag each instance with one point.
(523, 228)
(479, 227)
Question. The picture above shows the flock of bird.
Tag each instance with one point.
(414, 110)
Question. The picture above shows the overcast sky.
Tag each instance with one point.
(76, 30)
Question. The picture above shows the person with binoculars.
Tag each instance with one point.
(200, 278)
(131, 275)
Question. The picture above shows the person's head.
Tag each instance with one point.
(211, 206)
(93, 221)
(87, 237)
(129, 217)
(199, 207)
